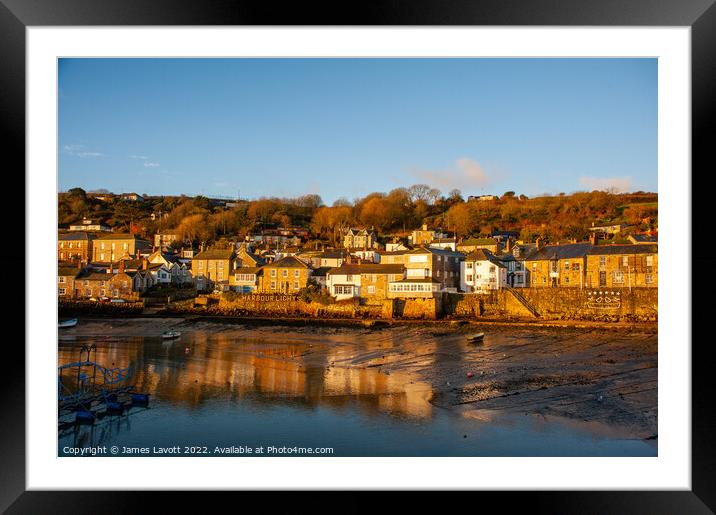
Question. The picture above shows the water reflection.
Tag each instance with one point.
(202, 366)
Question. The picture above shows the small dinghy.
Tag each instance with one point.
(67, 323)
(476, 338)
(167, 335)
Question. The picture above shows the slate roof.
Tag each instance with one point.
(644, 238)
(483, 255)
(287, 262)
(478, 241)
(67, 271)
(215, 254)
(73, 236)
(611, 250)
(321, 271)
(367, 268)
(569, 251)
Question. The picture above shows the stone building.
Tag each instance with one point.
(625, 266)
(558, 265)
(66, 275)
(287, 275)
(75, 246)
(360, 239)
(212, 268)
(113, 247)
(427, 271)
(365, 280)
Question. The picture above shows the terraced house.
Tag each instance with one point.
(625, 266)
(75, 246)
(113, 247)
(482, 271)
(428, 271)
(366, 280)
(558, 265)
(287, 275)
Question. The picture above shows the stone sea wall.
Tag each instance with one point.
(637, 304)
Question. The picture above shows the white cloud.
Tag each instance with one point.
(615, 184)
(133, 156)
(79, 151)
(467, 174)
(149, 164)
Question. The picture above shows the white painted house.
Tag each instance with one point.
(482, 271)
(342, 283)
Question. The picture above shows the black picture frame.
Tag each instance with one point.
(17, 15)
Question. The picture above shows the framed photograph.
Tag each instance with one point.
(399, 252)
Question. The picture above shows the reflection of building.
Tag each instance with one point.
(267, 372)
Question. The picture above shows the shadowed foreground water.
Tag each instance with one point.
(218, 394)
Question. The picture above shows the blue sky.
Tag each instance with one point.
(347, 127)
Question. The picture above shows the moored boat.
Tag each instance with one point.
(478, 337)
(68, 323)
(170, 334)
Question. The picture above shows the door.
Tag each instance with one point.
(602, 279)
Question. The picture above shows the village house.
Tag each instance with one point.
(558, 265)
(66, 275)
(643, 239)
(396, 246)
(319, 276)
(164, 239)
(623, 266)
(74, 246)
(425, 236)
(245, 279)
(444, 243)
(360, 239)
(367, 280)
(428, 270)
(482, 271)
(472, 244)
(179, 272)
(481, 198)
(330, 258)
(603, 231)
(90, 284)
(133, 197)
(113, 247)
(89, 225)
(246, 258)
(286, 275)
(212, 268)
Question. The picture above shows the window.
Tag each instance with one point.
(296, 273)
(625, 261)
(649, 260)
(468, 266)
(125, 246)
(284, 273)
(61, 279)
(273, 285)
(295, 285)
(61, 291)
(371, 289)
(566, 265)
(575, 266)
(101, 246)
(101, 283)
(69, 244)
(618, 277)
(602, 260)
(103, 292)
(566, 279)
(649, 278)
(534, 267)
(468, 278)
(273, 274)
(492, 269)
(62, 244)
(349, 277)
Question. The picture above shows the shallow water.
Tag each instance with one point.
(285, 393)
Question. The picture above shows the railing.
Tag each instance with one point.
(517, 295)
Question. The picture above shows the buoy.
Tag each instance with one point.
(469, 374)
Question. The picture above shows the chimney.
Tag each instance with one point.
(121, 267)
(539, 243)
(425, 227)
(145, 263)
(110, 270)
(508, 246)
(593, 238)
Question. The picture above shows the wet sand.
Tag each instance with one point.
(595, 375)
